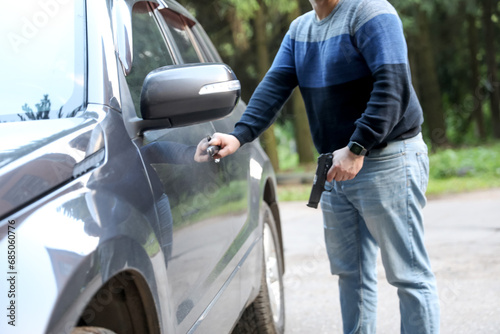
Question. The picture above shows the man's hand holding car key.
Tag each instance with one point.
(213, 150)
(225, 144)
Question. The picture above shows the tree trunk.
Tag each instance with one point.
(492, 66)
(430, 92)
(268, 138)
(302, 132)
(477, 113)
(412, 58)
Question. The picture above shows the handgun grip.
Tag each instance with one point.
(324, 164)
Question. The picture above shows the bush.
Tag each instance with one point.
(467, 162)
(466, 169)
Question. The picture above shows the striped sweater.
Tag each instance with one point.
(353, 73)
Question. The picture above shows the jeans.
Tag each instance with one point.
(382, 207)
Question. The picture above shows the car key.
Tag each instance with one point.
(213, 150)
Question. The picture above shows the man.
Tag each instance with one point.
(349, 58)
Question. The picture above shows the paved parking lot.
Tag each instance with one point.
(463, 239)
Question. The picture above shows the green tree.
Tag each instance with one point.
(245, 42)
(416, 17)
(461, 39)
(268, 138)
(473, 42)
(493, 84)
(302, 134)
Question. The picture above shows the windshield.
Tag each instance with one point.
(42, 56)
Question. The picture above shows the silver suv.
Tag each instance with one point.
(108, 220)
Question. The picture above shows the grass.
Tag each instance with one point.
(295, 192)
(452, 171)
(456, 185)
(465, 169)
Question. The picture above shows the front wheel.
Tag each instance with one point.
(266, 315)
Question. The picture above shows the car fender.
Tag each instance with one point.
(65, 252)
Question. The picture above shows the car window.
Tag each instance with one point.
(150, 50)
(42, 60)
(203, 40)
(179, 28)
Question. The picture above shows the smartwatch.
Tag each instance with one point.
(357, 148)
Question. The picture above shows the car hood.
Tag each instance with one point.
(38, 156)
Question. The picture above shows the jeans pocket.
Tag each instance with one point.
(423, 164)
(383, 157)
(328, 186)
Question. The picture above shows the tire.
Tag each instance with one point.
(266, 315)
(91, 330)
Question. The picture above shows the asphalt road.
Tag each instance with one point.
(463, 239)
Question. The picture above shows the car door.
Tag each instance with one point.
(195, 201)
(244, 176)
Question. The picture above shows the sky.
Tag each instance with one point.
(37, 40)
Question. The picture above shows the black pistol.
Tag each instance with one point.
(324, 164)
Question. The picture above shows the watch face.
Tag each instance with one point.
(356, 148)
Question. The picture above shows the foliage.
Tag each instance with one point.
(459, 52)
(455, 185)
(287, 152)
(461, 73)
(296, 192)
(43, 110)
(481, 161)
(246, 10)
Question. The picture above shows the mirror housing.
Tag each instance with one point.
(189, 94)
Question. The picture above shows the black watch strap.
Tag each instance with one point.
(356, 148)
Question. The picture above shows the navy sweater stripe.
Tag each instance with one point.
(344, 63)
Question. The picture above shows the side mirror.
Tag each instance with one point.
(189, 94)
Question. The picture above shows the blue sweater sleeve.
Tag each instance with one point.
(381, 42)
(269, 97)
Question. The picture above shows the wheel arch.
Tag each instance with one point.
(124, 301)
(271, 198)
(109, 293)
